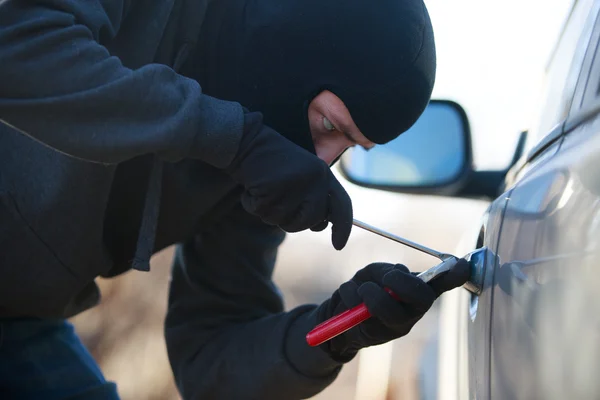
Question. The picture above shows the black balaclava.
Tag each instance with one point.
(275, 56)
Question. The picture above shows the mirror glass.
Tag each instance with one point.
(433, 152)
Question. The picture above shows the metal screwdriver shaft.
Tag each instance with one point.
(406, 242)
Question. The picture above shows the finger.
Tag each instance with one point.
(403, 268)
(308, 213)
(252, 205)
(457, 276)
(349, 294)
(249, 202)
(333, 306)
(374, 272)
(320, 226)
(384, 307)
(272, 211)
(340, 213)
(411, 290)
(280, 215)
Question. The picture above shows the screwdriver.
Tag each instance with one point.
(406, 242)
(348, 319)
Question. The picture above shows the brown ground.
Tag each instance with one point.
(124, 333)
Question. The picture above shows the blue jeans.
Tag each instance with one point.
(44, 359)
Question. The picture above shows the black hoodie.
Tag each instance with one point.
(108, 155)
(275, 57)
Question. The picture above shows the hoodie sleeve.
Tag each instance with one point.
(227, 334)
(60, 86)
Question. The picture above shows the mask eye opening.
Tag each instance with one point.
(327, 124)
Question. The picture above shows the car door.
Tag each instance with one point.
(544, 318)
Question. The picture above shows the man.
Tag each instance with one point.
(111, 151)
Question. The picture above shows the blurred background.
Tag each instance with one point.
(491, 59)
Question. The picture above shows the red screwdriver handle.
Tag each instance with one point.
(337, 325)
(340, 323)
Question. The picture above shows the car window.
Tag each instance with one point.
(563, 71)
(588, 85)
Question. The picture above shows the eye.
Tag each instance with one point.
(327, 124)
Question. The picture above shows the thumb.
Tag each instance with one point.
(320, 226)
(340, 213)
(455, 277)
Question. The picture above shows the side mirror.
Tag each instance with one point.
(433, 157)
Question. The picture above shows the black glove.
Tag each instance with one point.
(391, 318)
(287, 186)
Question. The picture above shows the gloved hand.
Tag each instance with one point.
(391, 318)
(287, 186)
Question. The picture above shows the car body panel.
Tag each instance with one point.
(478, 326)
(546, 280)
(545, 289)
(544, 230)
(465, 319)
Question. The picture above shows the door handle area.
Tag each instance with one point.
(478, 261)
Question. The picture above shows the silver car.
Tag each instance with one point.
(534, 331)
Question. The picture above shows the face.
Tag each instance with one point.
(332, 127)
